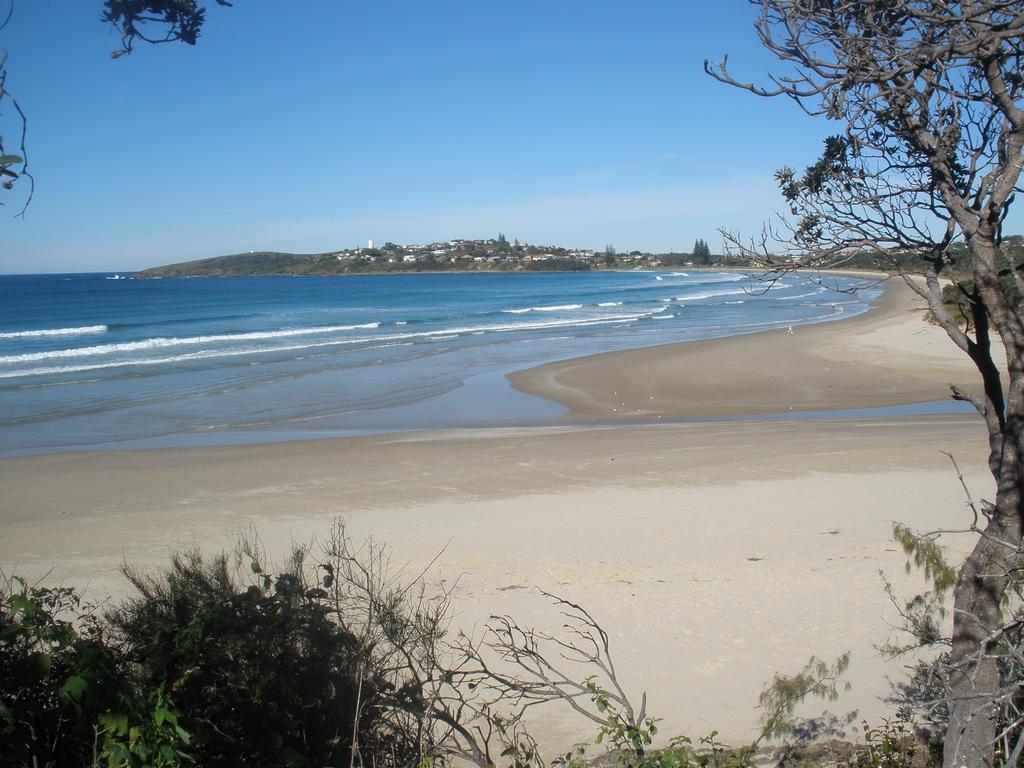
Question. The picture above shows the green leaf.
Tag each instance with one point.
(114, 722)
(74, 688)
(10, 160)
(21, 604)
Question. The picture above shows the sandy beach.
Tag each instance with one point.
(886, 357)
(715, 552)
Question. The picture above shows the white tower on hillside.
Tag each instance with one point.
(369, 244)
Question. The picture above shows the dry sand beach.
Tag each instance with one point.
(715, 552)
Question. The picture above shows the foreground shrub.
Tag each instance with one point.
(262, 673)
(339, 659)
(64, 698)
(45, 666)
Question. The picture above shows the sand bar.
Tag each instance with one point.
(885, 357)
(715, 553)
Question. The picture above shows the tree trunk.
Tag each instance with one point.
(976, 619)
(974, 679)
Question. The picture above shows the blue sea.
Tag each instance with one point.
(103, 361)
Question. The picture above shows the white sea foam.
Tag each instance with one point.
(798, 296)
(556, 308)
(536, 325)
(401, 339)
(610, 304)
(207, 354)
(165, 342)
(707, 277)
(711, 294)
(81, 331)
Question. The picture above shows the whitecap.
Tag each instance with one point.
(235, 352)
(80, 331)
(555, 308)
(798, 296)
(165, 342)
(711, 294)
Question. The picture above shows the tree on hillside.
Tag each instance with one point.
(701, 252)
(930, 95)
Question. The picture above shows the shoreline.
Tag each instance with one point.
(482, 398)
(887, 356)
(715, 553)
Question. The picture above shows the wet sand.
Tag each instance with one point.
(888, 356)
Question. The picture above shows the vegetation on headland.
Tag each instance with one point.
(487, 255)
(338, 658)
(498, 255)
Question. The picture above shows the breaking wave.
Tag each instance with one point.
(555, 308)
(80, 331)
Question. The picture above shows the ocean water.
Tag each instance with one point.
(89, 361)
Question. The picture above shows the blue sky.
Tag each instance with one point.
(312, 125)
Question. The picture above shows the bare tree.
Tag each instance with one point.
(401, 625)
(522, 667)
(461, 698)
(930, 94)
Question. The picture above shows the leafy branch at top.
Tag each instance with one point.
(170, 21)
